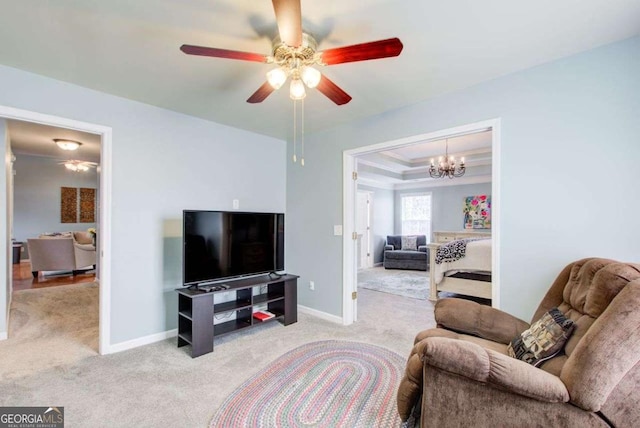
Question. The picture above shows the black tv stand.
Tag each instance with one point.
(201, 318)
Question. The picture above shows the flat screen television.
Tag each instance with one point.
(224, 244)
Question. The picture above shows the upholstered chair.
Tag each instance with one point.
(66, 253)
(459, 374)
(46, 254)
(85, 250)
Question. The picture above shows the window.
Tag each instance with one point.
(416, 215)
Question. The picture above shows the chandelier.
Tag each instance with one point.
(447, 166)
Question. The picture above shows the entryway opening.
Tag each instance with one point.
(58, 235)
(410, 204)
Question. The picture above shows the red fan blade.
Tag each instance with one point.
(332, 91)
(261, 94)
(362, 52)
(289, 19)
(222, 53)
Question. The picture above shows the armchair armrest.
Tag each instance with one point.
(473, 318)
(422, 248)
(85, 247)
(490, 367)
(388, 247)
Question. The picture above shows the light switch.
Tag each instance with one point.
(337, 230)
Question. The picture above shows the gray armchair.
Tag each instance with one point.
(397, 258)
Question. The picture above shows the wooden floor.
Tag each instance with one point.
(24, 280)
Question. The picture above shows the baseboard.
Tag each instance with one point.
(141, 341)
(3, 335)
(378, 264)
(319, 314)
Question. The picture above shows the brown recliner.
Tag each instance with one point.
(464, 377)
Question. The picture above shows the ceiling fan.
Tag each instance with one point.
(78, 165)
(295, 53)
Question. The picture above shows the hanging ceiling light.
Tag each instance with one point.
(67, 144)
(310, 76)
(296, 90)
(276, 77)
(447, 166)
(295, 63)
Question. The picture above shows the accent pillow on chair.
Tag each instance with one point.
(543, 340)
(410, 243)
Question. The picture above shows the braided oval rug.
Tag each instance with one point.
(321, 384)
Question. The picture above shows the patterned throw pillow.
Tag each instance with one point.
(543, 340)
(410, 243)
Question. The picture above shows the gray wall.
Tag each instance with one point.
(581, 111)
(381, 219)
(5, 259)
(163, 162)
(36, 195)
(446, 205)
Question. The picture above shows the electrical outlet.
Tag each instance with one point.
(312, 285)
(236, 204)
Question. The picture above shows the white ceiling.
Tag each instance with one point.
(35, 139)
(131, 48)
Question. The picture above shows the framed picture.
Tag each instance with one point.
(477, 212)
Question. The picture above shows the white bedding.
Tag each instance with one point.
(477, 258)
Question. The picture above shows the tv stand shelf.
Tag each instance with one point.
(201, 318)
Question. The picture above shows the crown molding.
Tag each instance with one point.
(444, 182)
(377, 184)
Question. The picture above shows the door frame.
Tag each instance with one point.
(349, 191)
(105, 179)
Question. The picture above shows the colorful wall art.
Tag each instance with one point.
(477, 212)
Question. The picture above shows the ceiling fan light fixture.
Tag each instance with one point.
(310, 76)
(78, 165)
(67, 144)
(296, 90)
(276, 77)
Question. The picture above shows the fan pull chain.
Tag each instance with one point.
(295, 158)
(302, 132)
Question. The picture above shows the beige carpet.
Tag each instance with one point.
(161, 385)
(50, 327)
(408, 283)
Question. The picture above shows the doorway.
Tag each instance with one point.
(54, 189)
(103, 245)
(352, 173)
